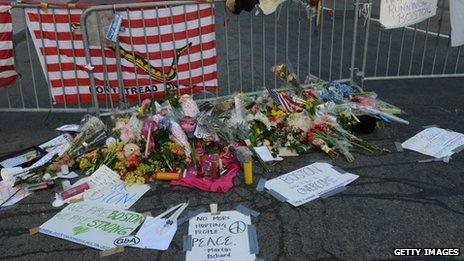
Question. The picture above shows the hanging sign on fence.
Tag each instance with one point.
(309, 183)
(113, 30)
(160, 48)
(457, 22)
(224, 236)
(92, 225)
(401, 13)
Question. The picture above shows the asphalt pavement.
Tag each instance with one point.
(396, 203)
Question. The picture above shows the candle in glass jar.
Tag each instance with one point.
(215, 166)
(248, 172)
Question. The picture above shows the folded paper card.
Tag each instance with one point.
(264, 153)
(156, 232)
(435, 142)
(152, 235)
(308, 183)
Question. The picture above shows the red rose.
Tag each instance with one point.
(132, 161)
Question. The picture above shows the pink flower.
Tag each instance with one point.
(188, 125)
(366, 101)
(148, 126)
(127, 134)
(145, 104)
(255, 109)
(163, 112)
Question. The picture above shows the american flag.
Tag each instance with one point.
(8, 73)
(287, 103)
(150, 43)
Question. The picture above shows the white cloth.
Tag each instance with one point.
(457, 22)
(269, 6)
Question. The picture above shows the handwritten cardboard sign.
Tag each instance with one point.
(308, 183)
(220, 237)
(435, 142)
(118, 196)
(103, 177)
(92, 225)
(401, 13)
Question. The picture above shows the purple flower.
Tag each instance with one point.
(165, 123)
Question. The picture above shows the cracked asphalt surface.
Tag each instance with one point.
(396, 203)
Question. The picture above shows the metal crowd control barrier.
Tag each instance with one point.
(344, 46)
(31, 91)
(414, 52)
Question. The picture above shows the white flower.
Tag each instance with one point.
(261, 118)
(300, 121)
(110, 141)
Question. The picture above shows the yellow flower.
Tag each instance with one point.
(139, 111)
(277, 113)
(131, 178)
(119, 165)
(84, 164)
(345, 114)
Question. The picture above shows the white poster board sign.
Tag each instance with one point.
(117, 196)
(92, 225)
(401, 13)
(308, 183)
(435, 142)
(220, 237)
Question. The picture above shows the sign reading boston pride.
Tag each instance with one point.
(401, 13)
(92, 225)
(308, 183)
(220, 237)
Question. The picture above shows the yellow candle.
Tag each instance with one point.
(248, 172)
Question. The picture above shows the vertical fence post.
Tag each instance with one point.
(88, 61)
(366, 43)
(353, 43)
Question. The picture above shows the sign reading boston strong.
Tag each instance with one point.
(92, 225)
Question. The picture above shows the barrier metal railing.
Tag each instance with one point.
(343, 46)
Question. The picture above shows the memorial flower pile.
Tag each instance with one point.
(200, 145)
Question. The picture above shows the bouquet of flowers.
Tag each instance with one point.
(287, 75)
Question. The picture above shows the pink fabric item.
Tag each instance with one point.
(366, 101)
(222, 184)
